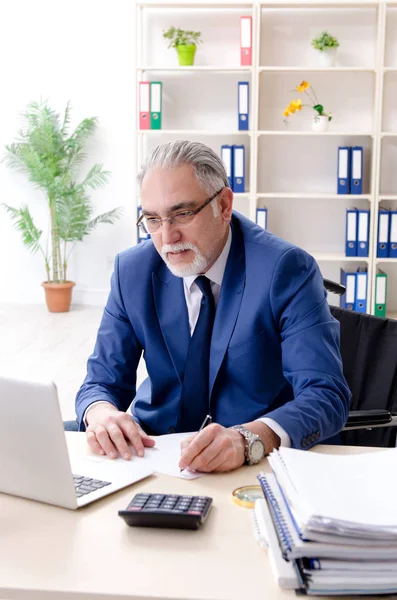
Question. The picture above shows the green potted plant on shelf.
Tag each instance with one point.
(326, 46)
(50, 156)
(185, 43)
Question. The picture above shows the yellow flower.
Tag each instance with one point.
(292, 108)
(297, 104)
(286, 113)
(303, 86)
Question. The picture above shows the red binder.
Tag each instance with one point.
(144, 105)
(246, 41)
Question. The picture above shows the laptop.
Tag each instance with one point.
(34, 458)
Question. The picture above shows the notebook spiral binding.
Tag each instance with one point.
(279, 522)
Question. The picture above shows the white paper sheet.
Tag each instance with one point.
(162, 458)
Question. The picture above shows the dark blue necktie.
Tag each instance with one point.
(194, 404)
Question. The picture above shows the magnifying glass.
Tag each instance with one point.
(246, 495)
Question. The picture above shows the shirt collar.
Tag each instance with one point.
(216, 272)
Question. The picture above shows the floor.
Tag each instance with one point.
(36, 344)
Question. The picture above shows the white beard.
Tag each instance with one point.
(198, 264)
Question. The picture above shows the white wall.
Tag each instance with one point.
(83, 51)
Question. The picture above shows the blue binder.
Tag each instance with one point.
(261, 217)
(227, 157)
(360, 304)
(343, 169)
(356, 170)
(363, 233)
(349, 297)
(351, 232)
(393, 234)
(383, 245)
(238, 168)
(243, 105)
(141, 236)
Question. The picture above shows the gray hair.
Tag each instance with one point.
(208, 166)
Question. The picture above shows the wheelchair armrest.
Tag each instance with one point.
(368, 418)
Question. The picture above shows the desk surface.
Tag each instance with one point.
(51, 553)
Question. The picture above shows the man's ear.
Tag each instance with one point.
(226, 204)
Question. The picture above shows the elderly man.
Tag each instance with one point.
(232, 322)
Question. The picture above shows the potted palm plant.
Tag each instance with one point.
(49, 154)
(185, 42)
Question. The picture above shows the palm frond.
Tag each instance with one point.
(66, 119)
(73, 213)
(23, 222)
(96, 177)
(109, 217)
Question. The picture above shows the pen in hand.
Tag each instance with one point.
(207, 421)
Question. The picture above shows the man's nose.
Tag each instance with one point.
(169, 233)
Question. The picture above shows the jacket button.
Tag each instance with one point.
(304, 442)
(171, 429)
(313, 437)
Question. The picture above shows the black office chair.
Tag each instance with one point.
(369, 356)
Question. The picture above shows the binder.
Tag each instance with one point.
(382, 248)
(141, 236)
(261, 217)
(227, 157)
(246, 41)
(238, 168)
(343, 169)
(265, 533)
(349, 281)
(360, 304)
(380, 293)
(393, 234)
(351, 232)
(243, 105)
(144, 105)
(356, 170)
(155, 104)
(362, 232)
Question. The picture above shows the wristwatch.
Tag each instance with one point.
(254, 447)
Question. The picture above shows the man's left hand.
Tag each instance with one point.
(215, 448)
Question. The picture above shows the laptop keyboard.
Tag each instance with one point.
(86, 485)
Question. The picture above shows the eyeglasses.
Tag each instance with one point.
(152, 225)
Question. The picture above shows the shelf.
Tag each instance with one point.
(318, 69)
(319, 4)
(385, 260)
(387, 197)
(203, 69)
(198, 5)
(388, 134)
(317, 133)
(319, 196)
(324, 256)
(190, 132)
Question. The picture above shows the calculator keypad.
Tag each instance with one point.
(167, 510)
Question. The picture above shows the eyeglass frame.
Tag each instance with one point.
(193, 212)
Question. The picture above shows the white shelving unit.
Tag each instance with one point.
(290, 170)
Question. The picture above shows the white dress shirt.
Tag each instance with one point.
(193, 297)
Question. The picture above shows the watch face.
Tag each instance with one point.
(257, 451)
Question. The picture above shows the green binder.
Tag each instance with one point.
(155, 104)
(380, 294)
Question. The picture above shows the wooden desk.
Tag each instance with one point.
(51, 553)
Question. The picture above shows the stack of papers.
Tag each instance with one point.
(334, 519)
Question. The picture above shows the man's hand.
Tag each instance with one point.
(110, 431)
(215, 448)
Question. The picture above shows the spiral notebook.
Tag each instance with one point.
(283, 571)
(294, 547)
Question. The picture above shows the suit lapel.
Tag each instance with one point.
(228, 304)
(169, 299)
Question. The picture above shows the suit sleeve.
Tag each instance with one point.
(111, 369)
(310, 352)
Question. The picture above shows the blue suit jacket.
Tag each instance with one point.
(274, 350)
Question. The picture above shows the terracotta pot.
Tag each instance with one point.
(58, 296)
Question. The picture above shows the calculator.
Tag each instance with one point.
(167, 510)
